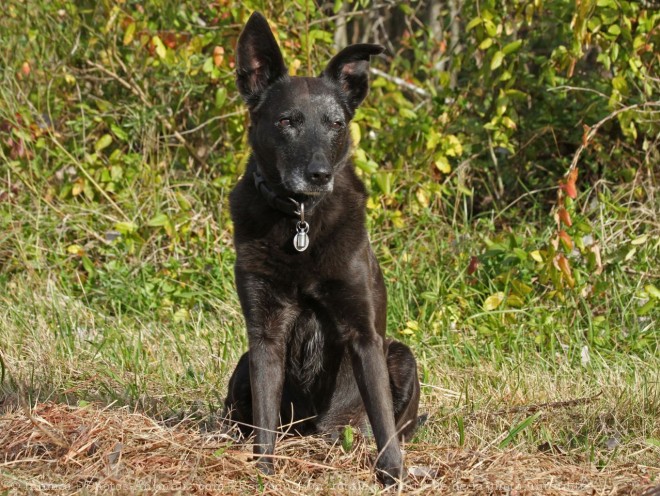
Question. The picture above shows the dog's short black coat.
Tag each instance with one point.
(318, 356)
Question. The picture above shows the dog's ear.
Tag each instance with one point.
(350, 68)
(259, 61)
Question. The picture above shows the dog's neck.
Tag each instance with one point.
(285, 204)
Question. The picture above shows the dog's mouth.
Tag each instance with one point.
(317, 192)
(297, 187)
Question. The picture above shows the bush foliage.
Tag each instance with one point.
(518, 136)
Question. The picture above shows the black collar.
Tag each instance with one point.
(286, 205)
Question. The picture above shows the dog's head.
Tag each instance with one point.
(299, 125)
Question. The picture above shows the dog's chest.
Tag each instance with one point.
(305, 350)
(274, 256)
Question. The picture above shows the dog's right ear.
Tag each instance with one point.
(259, 61)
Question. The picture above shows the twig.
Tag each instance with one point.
(206, 123)
(539, 406)
(136, 90)
(594, 129)
(356, 13)
(401, 82)
(88, 176)
(578, 88)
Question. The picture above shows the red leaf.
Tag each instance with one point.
(218, 55)
(474, 264)
(565, 217)
(565, 268)
(566, 240)
(568, 186)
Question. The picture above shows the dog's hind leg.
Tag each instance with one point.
(404, 384)
(238, 404)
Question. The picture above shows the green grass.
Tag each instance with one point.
(516, 377)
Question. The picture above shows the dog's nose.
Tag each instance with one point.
(319, 172)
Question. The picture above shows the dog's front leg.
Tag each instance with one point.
(268, 317)
(370, 370)
(266, 380)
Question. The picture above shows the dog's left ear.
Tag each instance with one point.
(350, 69)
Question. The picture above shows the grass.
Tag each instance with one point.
(585, 397)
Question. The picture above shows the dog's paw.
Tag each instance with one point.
(265, 466)
(387, 478)
(389, 474)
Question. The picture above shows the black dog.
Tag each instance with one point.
(310, 287)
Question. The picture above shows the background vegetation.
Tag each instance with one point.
(511, 151)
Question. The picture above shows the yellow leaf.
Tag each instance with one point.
(181, 315)
(639, 241)
(442, 164)
(129, 34)
(412, 324)
(508, 122)
(493, 301)
(515, 301)
(453, 146)
(355, 133)
(77, 188)
(422, 197)
(161, 51)
(75, 250)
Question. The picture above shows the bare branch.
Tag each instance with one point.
(401, 82)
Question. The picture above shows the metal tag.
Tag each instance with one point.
(301, 239)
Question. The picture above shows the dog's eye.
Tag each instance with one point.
(284, 122)
(337, 125)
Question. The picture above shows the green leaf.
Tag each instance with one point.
(103, 142)
(512, 47)
(118, 132)
(473, 24)
(116, 172)
(461, 430)
(384, 181)
(497, 60)
(517, 429)
(220, 97)
(158, 220)
(161, 50)
(125, 227)
(208, 66)
(347, 439)
(486, 44)
(88, 265)
(491, 28)
(652, 291)
(646, 308)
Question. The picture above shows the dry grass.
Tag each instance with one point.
(55, 351)
(58, 449)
